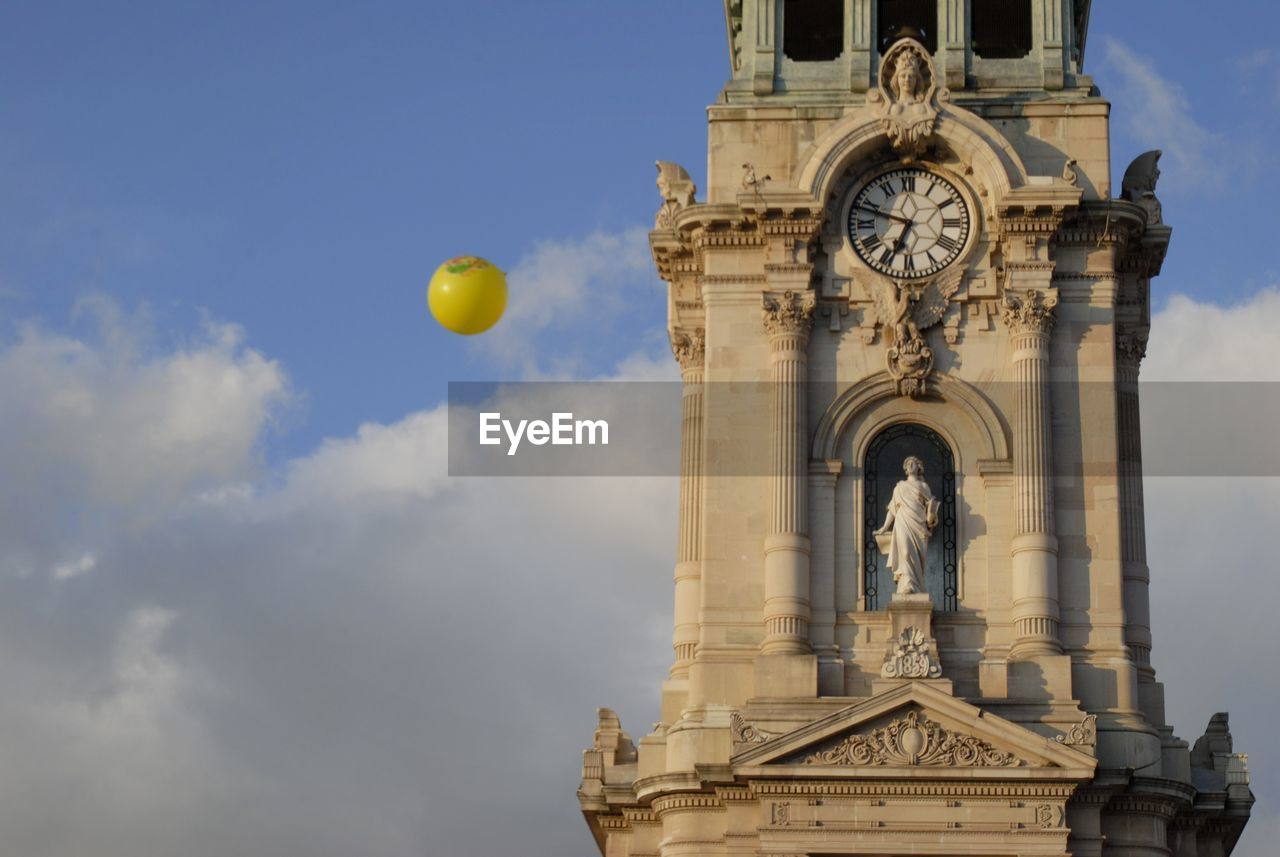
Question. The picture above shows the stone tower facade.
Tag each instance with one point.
(911, 596)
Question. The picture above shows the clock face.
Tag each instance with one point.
(908, 223)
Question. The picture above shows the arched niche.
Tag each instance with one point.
(881, 471)
(969, 425)
(957, 410)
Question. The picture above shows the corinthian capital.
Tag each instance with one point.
(1030, 312)
(1131, 343)
(789, 312)
(689, 346)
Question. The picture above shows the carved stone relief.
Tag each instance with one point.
(913, 740)
(911, 658)
(906, 310)
(908, 97)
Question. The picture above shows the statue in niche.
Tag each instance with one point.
(908, 524)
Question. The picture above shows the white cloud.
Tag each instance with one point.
(1159, 116)
(75, 568)
(333, 660)
(558, 285)
(1194, 341)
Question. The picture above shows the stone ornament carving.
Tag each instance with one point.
(1030, 312)
(745, 733)
(908, 97)
(790, 312)
(906, 309)
(1083, 734)
(914, 740)
(1048, 816)
(1069, 174)
(911, 658)
(1131, 343)
(1139, 184)
(689, 347)
(678, 192)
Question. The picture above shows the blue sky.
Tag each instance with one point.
(227, 543)
(301, 168)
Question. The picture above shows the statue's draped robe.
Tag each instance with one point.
(910, 509)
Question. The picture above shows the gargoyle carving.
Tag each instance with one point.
(908, 97)
(678, 191)
(906, 310)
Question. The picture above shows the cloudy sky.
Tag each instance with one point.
(243, 610)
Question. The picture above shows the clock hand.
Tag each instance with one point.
(880, 213)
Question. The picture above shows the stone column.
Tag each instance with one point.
(1047, 17)
(953, 45)
(1029, 316)
(788, 318)
(764, 56)
(1131, 347)
(859, 41)
(689, 347)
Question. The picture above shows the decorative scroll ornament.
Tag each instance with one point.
(910, 658)
(908, 97)
(1030, 312)
(678, 192)
(689, 347)
(790, 312)
(906, 310)
(914, 740)
(1083, 734)
(745, 733)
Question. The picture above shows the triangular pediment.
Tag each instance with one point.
(909, 728)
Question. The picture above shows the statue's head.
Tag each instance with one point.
(907, 77)
(913, 466)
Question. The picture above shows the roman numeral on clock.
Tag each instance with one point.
(947, 243)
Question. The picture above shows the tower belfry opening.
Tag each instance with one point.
(915, 18)
(812, 30)
(1001, 28)
(911, 592)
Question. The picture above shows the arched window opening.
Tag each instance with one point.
(813, 30)
(915, 18)
(1001, 29)
(882, 470)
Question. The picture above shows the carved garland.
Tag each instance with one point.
(914, 740)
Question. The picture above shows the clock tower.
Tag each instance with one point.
(911, 590)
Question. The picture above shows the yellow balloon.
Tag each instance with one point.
(467, 295)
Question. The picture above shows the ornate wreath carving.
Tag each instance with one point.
(914, 740)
